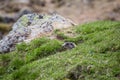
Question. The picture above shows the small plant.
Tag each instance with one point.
(56, 31)
(61, 36)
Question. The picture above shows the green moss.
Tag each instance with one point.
(96, 27)
(96, 57)
(15, 64)
(23, 47)
(44, 50)
(24, 20)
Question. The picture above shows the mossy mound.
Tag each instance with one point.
(96, 57)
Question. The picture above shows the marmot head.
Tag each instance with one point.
(68, 45)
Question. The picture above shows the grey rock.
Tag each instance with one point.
(8, 42)
(31, 26)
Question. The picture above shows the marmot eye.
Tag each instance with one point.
(40, 17)
(67, 43)
(29, 23)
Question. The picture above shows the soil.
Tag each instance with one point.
(80, 11)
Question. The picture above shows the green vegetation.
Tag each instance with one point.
(60, 35)
(96, 57)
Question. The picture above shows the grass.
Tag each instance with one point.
(96, 57)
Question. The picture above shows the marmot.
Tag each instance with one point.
(69, 45)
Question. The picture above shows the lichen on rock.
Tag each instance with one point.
(31, 26)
